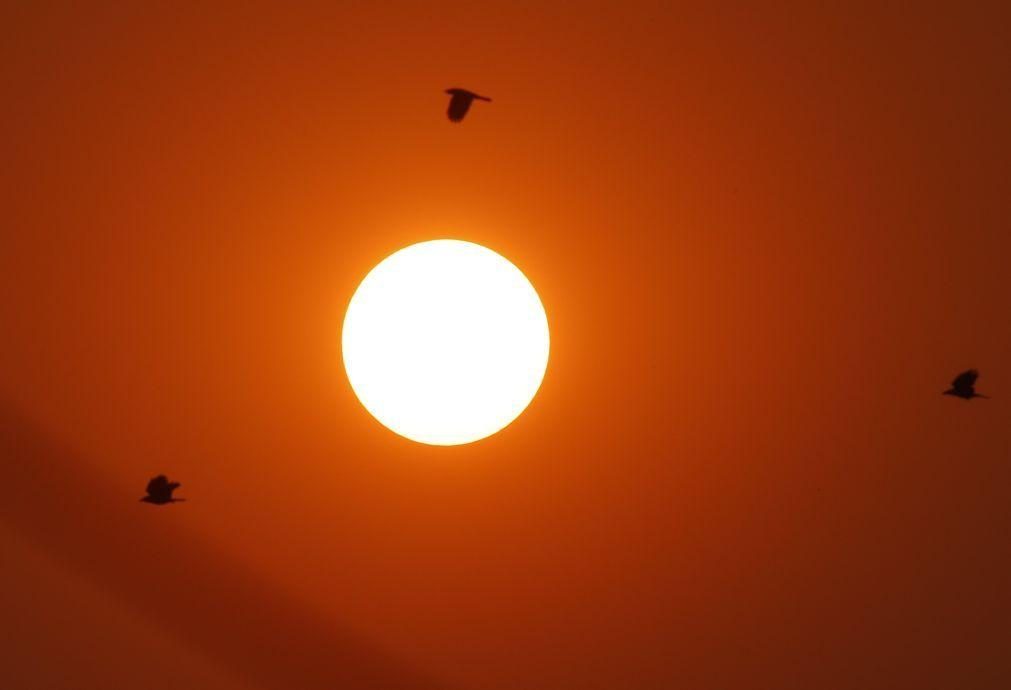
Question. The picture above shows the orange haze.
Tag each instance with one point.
(766, 238)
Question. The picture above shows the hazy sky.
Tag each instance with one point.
(766, 239)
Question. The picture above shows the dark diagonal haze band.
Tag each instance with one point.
(176, 580)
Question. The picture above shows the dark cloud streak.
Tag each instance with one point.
(177, 579)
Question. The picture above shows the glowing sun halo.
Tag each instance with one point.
(445, 342)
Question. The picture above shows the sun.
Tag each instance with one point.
(445, 342)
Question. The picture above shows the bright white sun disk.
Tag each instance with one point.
(445, 342)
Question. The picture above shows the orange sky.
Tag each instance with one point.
(766, 239)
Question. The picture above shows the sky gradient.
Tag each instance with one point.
(766, 239)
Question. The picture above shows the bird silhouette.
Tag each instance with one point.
(964, 386)
(460, 102)
(159, 491)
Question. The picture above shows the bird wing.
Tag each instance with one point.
(459, 104)
(157, 485)
(967, 379)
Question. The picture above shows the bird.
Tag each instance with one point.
(460, 102)
(159, 491)
(964, 386)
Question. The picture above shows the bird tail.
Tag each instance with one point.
(985, 397)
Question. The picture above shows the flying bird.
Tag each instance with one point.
(460, 102)
(964, 386)
(159, 491)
